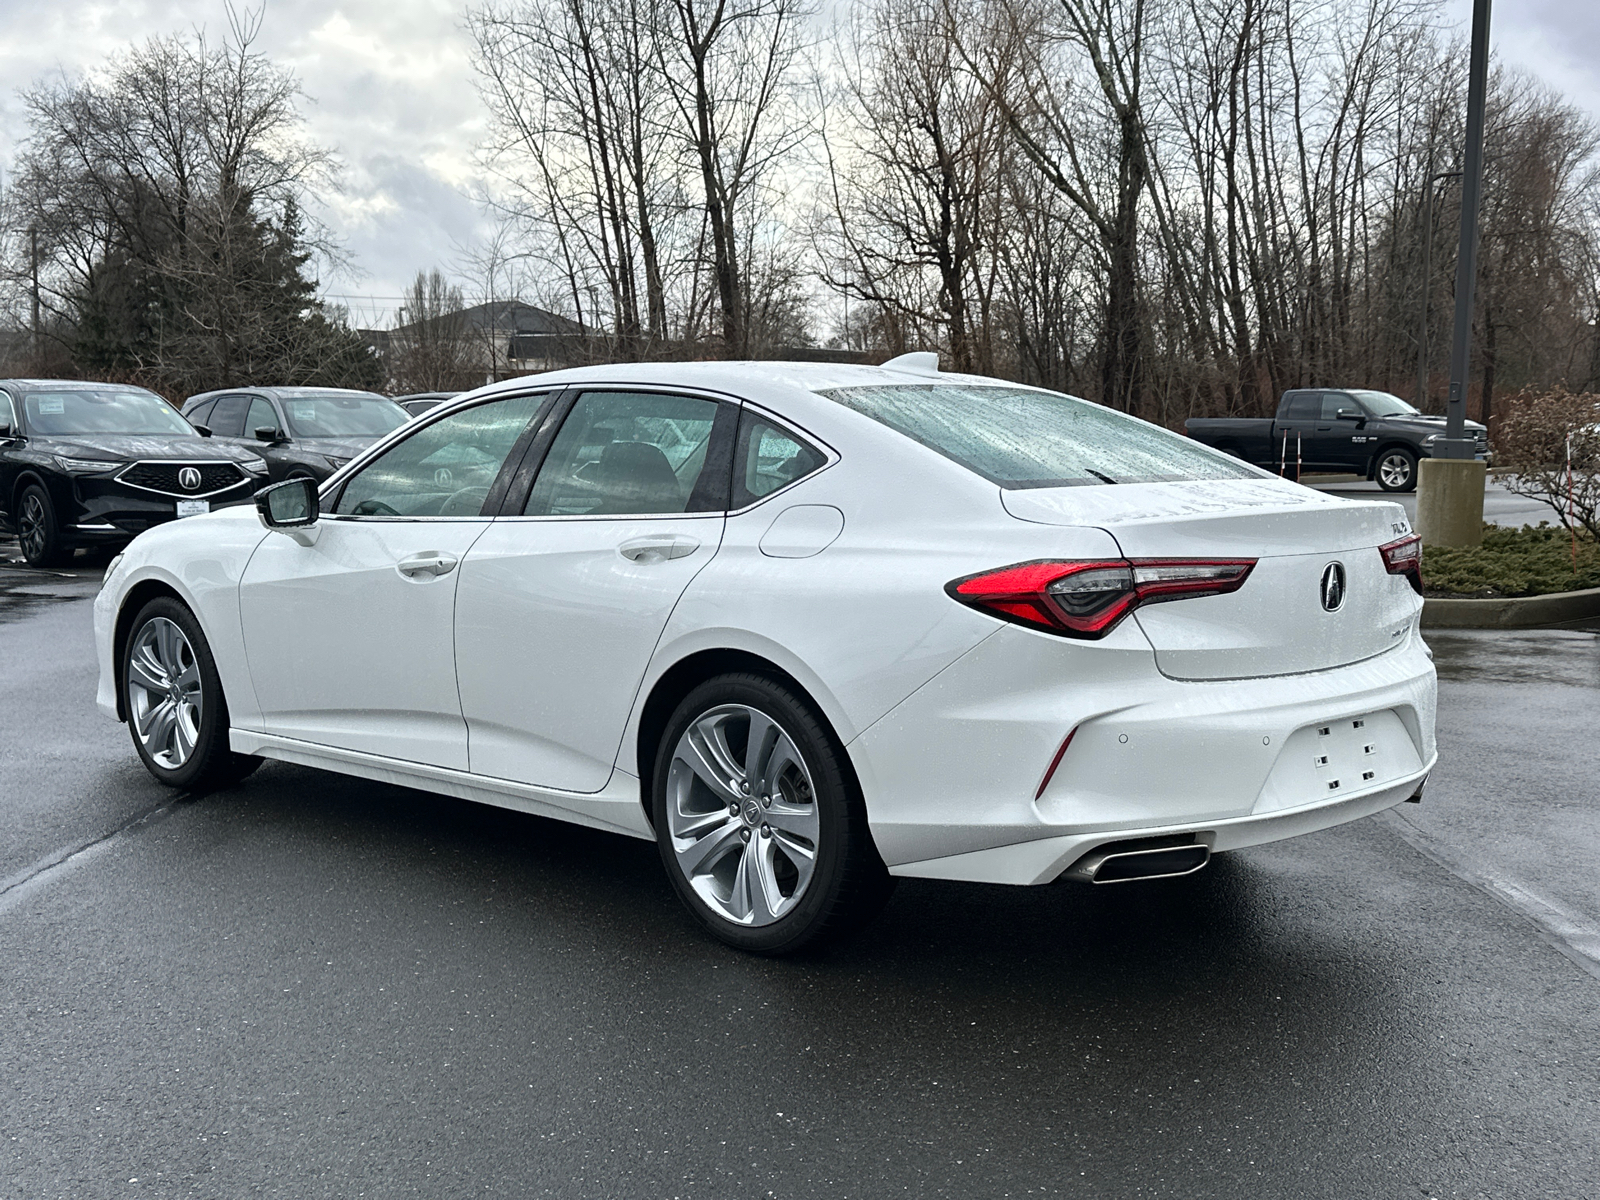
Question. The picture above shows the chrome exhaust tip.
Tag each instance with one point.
(1142, 858)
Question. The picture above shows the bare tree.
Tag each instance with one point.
(430, 346)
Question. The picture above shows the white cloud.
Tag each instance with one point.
(390, 87)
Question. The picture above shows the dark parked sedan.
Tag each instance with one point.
(420, 402)
(302, 432)
(86, 464)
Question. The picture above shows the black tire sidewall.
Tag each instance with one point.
(212, 762)
(1411, 477)
(53, 551)
(840, 814)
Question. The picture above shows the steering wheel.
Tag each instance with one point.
(464, 502)
(374, 508)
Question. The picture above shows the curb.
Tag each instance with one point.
(1511, 612)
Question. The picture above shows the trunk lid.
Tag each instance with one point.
(1276, 623)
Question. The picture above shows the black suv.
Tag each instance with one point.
(88, 464)
(302, 432)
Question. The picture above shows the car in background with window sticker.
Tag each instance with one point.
(93, 464)
(809, 627)
(301, 432)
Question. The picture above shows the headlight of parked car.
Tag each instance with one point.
(335, 463)
(1430, 439)
(82, 466)
(258, 465)
(111, 569)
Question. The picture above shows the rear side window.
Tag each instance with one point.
(1020, 438)
(768, 457)
(198, 414)
(227, 419)
(631, 454)
(1303, 406)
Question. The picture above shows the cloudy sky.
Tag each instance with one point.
(391, 88)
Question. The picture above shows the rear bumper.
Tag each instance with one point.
(1044, 860)
(955, 777)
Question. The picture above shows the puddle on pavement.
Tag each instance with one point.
(1558, 656)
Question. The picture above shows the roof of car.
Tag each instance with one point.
(280, 392)
(72, 384)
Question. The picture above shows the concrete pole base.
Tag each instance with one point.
(1450, 501)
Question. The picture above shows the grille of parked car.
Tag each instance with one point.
(183, 479)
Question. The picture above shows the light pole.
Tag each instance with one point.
(1450, 484)
(1427, 283)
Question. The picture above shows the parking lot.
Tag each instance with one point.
(311, 986)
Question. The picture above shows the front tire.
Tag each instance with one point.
(759, 821)
(173, 697)
(38, 531)
(1396, 470)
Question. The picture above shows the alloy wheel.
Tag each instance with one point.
(1394, 471)
(164, 693)
(742, 814)
(32, 531)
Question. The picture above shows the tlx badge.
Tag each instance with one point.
(1333, 586)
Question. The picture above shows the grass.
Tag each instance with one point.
(1531, 561)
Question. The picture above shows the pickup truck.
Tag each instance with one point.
(1354, 430)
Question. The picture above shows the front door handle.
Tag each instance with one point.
(430, 563)
(658, 547)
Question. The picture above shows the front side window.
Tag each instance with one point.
(1382, 404)
(444, 469)
(8, 416)
(227, 418)
(260, 416)
(768, 457)
(100, 410)
(630, 453)
(341, 414)
(1332, 403)
(1021, 438)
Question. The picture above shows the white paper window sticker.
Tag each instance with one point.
(306, 411)
(51, 406)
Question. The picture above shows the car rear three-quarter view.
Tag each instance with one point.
(809, 627)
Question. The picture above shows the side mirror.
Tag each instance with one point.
(1350, 414)
(203, 430)
(291, 507)
(5, 430)
(267, 433)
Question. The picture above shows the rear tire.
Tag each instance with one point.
(38, 531)
(1396, 470)
(172, 694)
(759, 821)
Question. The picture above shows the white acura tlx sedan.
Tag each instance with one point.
(810, 627)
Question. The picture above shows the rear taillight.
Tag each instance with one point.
(1087, 599)
(1405, 558)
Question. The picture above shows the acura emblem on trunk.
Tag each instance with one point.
(189, 478)
(1333, 586)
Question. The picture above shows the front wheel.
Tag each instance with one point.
(38, 531)
(758, 819)
(173, 698)
(1396, 470)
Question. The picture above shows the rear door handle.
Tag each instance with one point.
(658, 547)
(429, 563)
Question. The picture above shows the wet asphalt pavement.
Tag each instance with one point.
(312, 986)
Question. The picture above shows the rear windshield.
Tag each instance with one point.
(100, 410)
(350, 414)
(1019, 438)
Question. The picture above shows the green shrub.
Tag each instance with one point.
(1531, 561)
